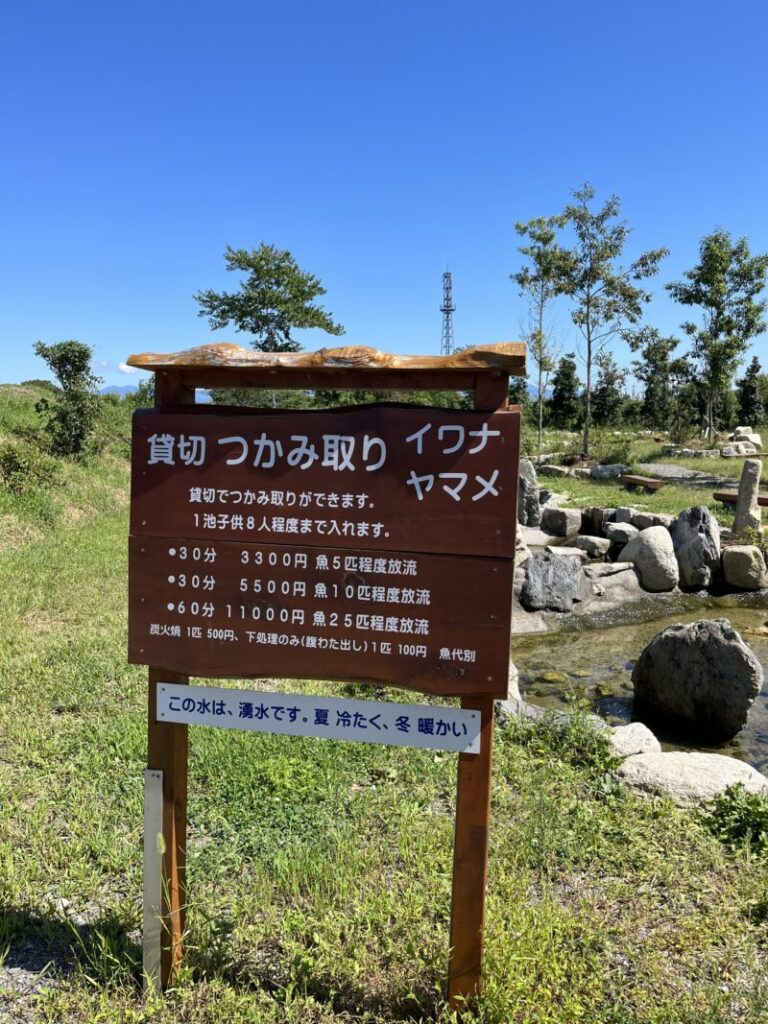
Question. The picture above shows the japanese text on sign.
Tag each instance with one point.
(380, 476)
(403, 725)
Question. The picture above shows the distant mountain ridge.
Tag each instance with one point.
(115, 389)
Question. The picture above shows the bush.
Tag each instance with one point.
(572, 738)
(24, 468)
(739, 819)
(71, 415)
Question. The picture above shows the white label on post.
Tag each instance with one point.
(367, 721)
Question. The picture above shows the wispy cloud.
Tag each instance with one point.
(125, 368)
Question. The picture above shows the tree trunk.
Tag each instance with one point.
(710, 425)
(587, 401)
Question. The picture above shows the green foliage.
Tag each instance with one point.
(572, 738)
(24, 468)
(518, 391)
(275, 298)
(71, 415)
(654, 371)
(144, 395)
(565, 407)
(262, 398)
(540, 282)
(750, 400)
(606, 296)
(41, 385)
(611, 450)
(725, 284)
(608, 395)
(739, 819)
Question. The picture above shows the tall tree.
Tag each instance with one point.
(605, 295)
(540, 283)
(608, 395)
(276, 297)
(71, 416)
(653, 370)
(518, 391)
(726, 284)
(686, 398)
(751, 408)
(565, 404)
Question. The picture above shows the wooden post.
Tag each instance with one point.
(470, 860)
(473, 809)
(167, 753)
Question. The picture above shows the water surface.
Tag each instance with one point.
(595, 665)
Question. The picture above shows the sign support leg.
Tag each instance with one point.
(167, 754)
(470, 860)
(153, 889)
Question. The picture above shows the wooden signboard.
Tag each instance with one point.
(358, 544)
(371, 543)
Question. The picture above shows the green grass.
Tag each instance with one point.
(671, 498)
(320, 872)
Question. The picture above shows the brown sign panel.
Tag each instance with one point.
(387, 478)
(435, 623)
(373, 543)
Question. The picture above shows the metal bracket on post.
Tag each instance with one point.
(153, 879)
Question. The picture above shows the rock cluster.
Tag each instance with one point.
(665, 551)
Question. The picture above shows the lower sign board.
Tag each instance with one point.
(333, 718)
(435, 623)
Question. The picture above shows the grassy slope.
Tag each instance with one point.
(320, 872)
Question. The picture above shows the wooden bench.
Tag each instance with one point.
(729, 498)
(650, 483)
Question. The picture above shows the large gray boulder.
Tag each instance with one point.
(528, 508)
(744, 567)
(748, 515)
(653, 554)
(552, 582)
(563, 522)
(700, 679)
(696, 539)
(689, 778)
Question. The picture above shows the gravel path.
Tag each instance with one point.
(681, 474)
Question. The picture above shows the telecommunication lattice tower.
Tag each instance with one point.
(447, 309)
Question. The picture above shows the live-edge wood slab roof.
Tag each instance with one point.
(505, 357)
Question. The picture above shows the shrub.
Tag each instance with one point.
(24, 468)
(71, 414)
(739, 819)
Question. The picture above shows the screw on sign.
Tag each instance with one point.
(370, 544)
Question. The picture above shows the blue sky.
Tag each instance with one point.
(380, 143)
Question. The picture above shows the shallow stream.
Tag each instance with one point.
(594, 665)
